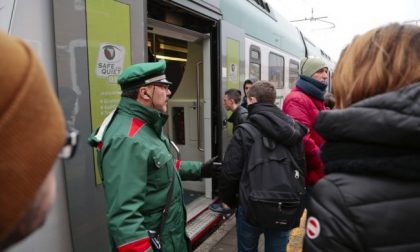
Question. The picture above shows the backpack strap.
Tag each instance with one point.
(256, 134)
(251, 129)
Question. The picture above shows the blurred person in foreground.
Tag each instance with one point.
(142, 179)
(304, 103)
(369, 198)
(32, 133)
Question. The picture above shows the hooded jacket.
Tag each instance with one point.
(305, 107)
(238, 116)
(272, 123)
(369, 199)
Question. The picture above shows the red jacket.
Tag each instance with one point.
(305, 109)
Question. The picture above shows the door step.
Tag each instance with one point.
(200, 219)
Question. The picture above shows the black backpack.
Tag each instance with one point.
(276, 183)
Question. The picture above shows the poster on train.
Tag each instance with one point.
(108, 40)
(232, 59)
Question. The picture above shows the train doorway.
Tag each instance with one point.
(187, 57)
(186, 39)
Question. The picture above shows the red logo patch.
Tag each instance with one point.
(313, 228)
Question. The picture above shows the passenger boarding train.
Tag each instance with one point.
(209, 46)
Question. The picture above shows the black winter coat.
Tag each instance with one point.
(238, 116)
(271, 122)
(370, 198)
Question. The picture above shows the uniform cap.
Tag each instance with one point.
(309, 66)
(143, 74)
(32, 130)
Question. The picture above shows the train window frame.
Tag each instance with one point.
(254, 63)
(271, 67)
(293, 78)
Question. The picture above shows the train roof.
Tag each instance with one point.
(260, 21)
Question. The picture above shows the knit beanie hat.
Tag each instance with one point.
(309, 66)
(32, 130)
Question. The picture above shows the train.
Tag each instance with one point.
(209, 46)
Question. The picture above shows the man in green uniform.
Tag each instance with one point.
(138, 168)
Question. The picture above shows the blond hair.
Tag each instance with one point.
(381, 60)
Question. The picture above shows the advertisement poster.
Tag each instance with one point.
(232, 62)
(108, 35)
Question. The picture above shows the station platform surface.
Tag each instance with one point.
(224, 238)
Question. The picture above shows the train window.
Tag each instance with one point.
(276, 70)
(255, 63)
(293, 73)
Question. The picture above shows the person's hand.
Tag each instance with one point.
(210, 168)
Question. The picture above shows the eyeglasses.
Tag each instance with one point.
(70, 145)
(166, 87)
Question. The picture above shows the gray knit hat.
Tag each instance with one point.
(309, 66)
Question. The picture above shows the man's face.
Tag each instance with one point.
(159, 95)
(321, 75)
(228, 103)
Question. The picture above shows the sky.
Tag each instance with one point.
(349, 17)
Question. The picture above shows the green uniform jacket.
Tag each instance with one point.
(137, 169)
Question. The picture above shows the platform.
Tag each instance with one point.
(224, 238)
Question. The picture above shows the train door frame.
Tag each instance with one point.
(202, 105)
(231, 53)
(205, 18)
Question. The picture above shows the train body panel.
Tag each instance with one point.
(266, 26)
(278, 67)
(209, 45)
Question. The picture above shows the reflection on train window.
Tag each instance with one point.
(293, 73)
(255, 63)
(174, 51)
(276, 70)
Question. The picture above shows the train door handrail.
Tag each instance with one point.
(198, 81)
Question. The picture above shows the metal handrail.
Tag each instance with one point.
(198, 106)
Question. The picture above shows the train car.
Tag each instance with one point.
(209, 46)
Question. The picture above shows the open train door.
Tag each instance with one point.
(185, 33)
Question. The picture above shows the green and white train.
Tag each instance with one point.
(209, 46)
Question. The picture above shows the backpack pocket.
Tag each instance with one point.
(283, 213)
